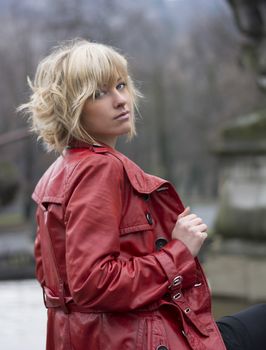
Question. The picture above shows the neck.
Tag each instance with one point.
(111, 142)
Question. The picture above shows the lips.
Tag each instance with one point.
(122, 115)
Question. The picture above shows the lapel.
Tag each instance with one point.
(141, 181)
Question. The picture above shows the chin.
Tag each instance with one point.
(125, 130)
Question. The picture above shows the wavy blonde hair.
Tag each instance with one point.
(64, 80)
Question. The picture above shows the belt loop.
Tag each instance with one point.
(62, 298)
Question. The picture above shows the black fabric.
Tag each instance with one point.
(245, 330)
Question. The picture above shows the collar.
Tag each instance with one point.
(97, 148)
(141, 181)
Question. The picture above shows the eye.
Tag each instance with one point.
(99, 93)
(121, 86)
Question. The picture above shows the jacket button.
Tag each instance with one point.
(160, 243)
(161, 347)
(146, 197)
(149, 218)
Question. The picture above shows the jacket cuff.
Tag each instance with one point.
(177, 263)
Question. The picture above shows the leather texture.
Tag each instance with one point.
(112, 276)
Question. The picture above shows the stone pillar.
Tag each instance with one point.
(236, 262)
(242, 184)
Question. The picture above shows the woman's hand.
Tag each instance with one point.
(191, 230)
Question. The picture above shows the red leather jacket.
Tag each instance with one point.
(112, 277)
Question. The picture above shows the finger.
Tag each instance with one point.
(201, 228)
(185, 212)
(202, 235)
(189, 218)
(197, 221)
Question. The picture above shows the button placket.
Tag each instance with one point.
(149, 218)
(146, 197)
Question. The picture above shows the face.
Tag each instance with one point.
(108, 115)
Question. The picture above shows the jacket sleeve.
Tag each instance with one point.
(98, 276)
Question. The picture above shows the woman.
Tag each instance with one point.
(116, 252)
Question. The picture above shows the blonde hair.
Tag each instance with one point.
(64, 80)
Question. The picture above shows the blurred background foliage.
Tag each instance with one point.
(9, 183)
(183, 56)
(199, 64)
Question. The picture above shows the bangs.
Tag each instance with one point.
(99, 66)
(109, 69)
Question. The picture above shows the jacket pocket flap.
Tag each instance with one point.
(135, 228)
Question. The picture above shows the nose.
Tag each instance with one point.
(119, 100)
